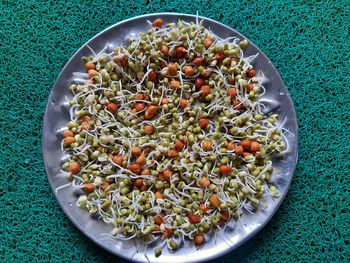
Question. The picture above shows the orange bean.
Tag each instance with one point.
(158, 22)
(203, 123)
(120, 60)
(203, 208)
(135, 168)
(225, 169)
(230, 146)
(136, 151)
(225, 215)
(174, 84)
(172, 153)
(141, 160)
(74, 168)
(139, 106)
(198, 83)
(150, 112)
(219, 57)
(199, 239)
(184, 103)
(146, 171)
(249, 87)
(232, 92)
(205, 90)
(180, 52)
(152, 76)
(112, 107)
(92, 73)
(245, 143)
(138, 182)
(69, 140)
(207, 145)
(158, 195)
(239, 150)
(206, 73)
(214, 200)
(118, 159)
(89, 65)
(68, 133)
(237, 105)
(148, 129)
(194, 219)
(189, 71)
(158, 219)
(88, 188)
(255, 146)
(165, 50)
(251, 73)
(204, 182)
(139, 96)
(198, 61)
(172, 69)
(167, 174)
(179, 145)
(164, 101)
(208, 42)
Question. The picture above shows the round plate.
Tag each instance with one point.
(221, 242)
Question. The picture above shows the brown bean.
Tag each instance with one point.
(158, 23)
(89, 65)
(148, 129)
(205, 90)
(152, 76)
(174, 84)
(150, 112)
(165, 50)
(180, 52)
(69, 140)
(208, 42)
(251, 73)
(199, 239)
(203, 123)
(198, 83)
(112, 107)
(172, 69)
(68, 133)
(74, 168)
(135, 168)
(198, 61)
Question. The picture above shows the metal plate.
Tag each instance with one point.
(57, 116)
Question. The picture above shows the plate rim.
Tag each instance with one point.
(277, 75)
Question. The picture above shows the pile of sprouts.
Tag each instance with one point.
(167, 140)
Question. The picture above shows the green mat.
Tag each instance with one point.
(309, 43)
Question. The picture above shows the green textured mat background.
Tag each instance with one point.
(309, 43)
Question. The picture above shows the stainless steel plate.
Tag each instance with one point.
(57, 116)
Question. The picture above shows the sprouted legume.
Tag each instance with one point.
(166, 138)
